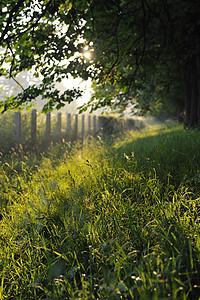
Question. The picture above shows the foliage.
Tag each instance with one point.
(128, 41)
(115, 220)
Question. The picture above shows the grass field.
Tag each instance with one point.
(110, 219)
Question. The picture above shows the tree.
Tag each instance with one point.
(133, 45)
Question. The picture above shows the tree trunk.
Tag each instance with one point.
(198, 75)
(187, 93)
(192, 90)
(194, 94)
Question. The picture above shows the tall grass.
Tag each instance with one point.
(116, 219)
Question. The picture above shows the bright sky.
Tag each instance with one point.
(83, 85)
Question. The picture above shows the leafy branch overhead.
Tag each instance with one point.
(134, 45)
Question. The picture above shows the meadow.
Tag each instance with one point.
(110, 218)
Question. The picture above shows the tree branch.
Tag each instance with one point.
(12, 12)
(32, 23)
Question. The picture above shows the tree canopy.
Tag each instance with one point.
(137, 49)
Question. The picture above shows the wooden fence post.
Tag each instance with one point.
(33, 126)
(124, 125)
(76, 127)
(59, 124)
(48, 125)
(69, 126)
(83, 127)
(98, 124)
(89, 124)
(17, 126)
(94, 125)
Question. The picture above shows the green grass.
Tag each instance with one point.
(115, 219)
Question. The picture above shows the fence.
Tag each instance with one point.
(56, 126)
(34, 126)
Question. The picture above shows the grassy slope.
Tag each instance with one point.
(114, 220)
